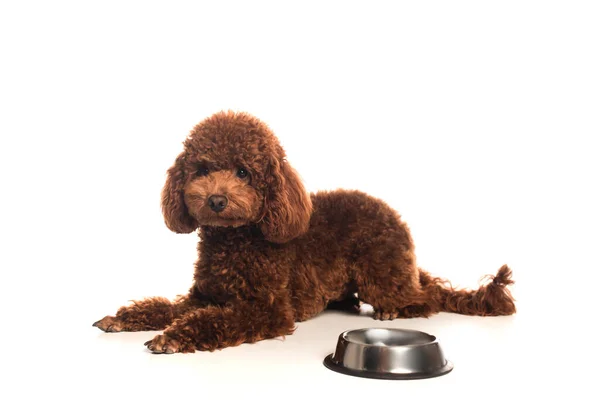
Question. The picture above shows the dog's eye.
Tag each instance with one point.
(202, 171)
(242, 173)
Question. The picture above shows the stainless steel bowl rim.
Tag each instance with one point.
(344, 335)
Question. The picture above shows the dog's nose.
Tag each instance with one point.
(217, 203)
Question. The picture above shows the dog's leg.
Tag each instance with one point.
(392, 301)
(388, 279)
(214, 327)
(151, 314)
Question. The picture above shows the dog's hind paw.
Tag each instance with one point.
(411, 311)
(384, 316)
(162, 344)
(109, 324)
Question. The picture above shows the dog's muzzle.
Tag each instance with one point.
(217, 203)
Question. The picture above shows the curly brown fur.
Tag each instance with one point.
(270, 254)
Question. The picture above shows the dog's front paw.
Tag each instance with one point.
(162, 344)
(109, 324)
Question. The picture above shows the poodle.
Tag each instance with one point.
(270, 254)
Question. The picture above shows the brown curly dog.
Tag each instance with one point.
(270, 254)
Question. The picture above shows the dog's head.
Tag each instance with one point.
(233, 172)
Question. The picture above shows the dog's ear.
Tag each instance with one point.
(287, 204)
(174, 209)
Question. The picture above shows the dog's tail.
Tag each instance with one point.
(492, 298)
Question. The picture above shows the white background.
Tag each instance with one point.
(478, 121)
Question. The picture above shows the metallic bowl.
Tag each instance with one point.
(383, 353)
